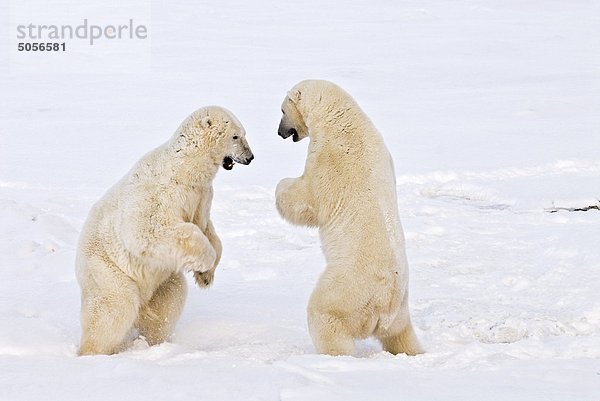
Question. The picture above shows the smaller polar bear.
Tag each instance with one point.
(348, 191)
(149, 228)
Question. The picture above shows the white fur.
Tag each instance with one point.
(348, 191)
(148, 229)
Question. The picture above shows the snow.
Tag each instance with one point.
(490, 110)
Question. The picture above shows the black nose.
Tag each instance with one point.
(250, 158)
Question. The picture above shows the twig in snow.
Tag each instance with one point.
(574, 209)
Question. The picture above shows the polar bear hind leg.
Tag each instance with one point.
(109, 309)
(158, 317)
(404, 341)
(329, 334)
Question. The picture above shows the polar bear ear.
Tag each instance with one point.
(294, 95)
(206, 122)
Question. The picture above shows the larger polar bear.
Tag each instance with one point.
(149, 228)
(348, 191)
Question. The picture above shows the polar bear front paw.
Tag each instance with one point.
(293, 204)
(198, 254)
(200, 263)
(204, 279)
(283, 186)
(281, 195)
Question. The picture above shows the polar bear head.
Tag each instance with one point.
(310, 103)
(292, 122)
(214, 132)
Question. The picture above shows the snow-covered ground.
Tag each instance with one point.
(490, 110)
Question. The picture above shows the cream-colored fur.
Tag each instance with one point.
(149, 228)
(348, 191)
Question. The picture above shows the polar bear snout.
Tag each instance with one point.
(229, 161)
(285, 131)
(246, 159)
(240, 153)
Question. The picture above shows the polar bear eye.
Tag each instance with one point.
(235, 137)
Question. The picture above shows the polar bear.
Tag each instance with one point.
(149, 228)
(348, 191)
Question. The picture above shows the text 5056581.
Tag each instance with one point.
(42, 47)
